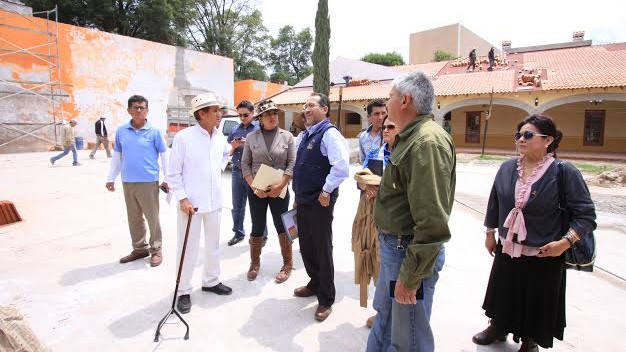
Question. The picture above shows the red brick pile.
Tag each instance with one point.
(8, 213)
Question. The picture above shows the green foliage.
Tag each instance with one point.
(594, 169)
(290, 55)
(441, 55)
(321, 51)
(162, 21)
(231, 28)
(387, 59)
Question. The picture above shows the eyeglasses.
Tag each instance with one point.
(310, 106)
(244, 115)
(139, 108)
(389, 127)
(528, 135)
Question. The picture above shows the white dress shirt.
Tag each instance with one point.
(195, 170)
(334, 147)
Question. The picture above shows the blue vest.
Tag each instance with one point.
(312, 167)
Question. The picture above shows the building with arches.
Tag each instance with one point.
(580, 85)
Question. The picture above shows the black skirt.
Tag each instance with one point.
(526, 297)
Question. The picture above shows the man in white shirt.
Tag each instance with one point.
(198, 157)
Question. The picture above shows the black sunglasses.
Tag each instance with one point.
(388, 127)
(244, 115)
(528, 135)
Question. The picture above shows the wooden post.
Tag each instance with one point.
(482, 152)
(339, 110)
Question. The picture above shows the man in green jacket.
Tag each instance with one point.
(412, 210)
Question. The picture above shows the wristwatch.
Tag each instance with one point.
(325, 194)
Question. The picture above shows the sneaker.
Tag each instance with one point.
(91, 156)
(236, 239)
(184, 304)
(76, 164)
(52, 161)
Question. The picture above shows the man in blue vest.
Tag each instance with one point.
(322, 163)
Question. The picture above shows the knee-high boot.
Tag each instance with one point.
(285, 250)
(256, 244)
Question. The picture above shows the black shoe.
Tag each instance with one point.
(219, 289)
(184, 304)
(236, 239)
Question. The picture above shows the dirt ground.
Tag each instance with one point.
(59, 268)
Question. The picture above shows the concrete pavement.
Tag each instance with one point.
(60, 269)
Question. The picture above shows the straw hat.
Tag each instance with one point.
(203, 100)
(366, 176)
(266, 105)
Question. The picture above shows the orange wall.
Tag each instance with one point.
(255, 91)
(99, 71)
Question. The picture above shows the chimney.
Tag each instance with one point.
(506, 45)
(578, 36)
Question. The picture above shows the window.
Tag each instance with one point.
(353, 119)
(228, 126)
(594, 127)
(472, 127)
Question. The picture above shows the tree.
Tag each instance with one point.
(387, 59)
(162, 21)
(321, 69)
(441, 55)
(231, 28)
(290, 55)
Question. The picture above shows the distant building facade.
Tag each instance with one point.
(454, 39)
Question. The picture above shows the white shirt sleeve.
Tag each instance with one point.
(163, 157)
(175, 169)
(334, 147)
(116, 166)
(225, 155)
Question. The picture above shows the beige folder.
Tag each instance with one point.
(267, 176)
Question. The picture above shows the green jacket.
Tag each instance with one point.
(416, 195)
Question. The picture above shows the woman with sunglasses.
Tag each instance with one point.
(364, 231)
(526, 289)
(274, 147)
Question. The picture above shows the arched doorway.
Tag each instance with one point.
(467, 125)
(594, 124)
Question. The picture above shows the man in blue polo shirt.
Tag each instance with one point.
(137, 147)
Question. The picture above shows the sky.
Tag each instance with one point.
(359, 27)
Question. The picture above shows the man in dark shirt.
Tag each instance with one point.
(472, 60)
(492, 58)
(237, 139)
(102, 137)
(412, 209)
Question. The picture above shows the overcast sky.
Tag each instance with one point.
(359, 27)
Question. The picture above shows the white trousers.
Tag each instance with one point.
(211, 272)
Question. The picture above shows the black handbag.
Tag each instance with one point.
(582, 254)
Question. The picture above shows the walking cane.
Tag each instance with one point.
(173, 309)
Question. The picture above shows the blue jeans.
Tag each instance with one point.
(66, 151)
(240, 190)
(400, 327)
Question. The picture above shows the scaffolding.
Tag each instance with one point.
(45, 52)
